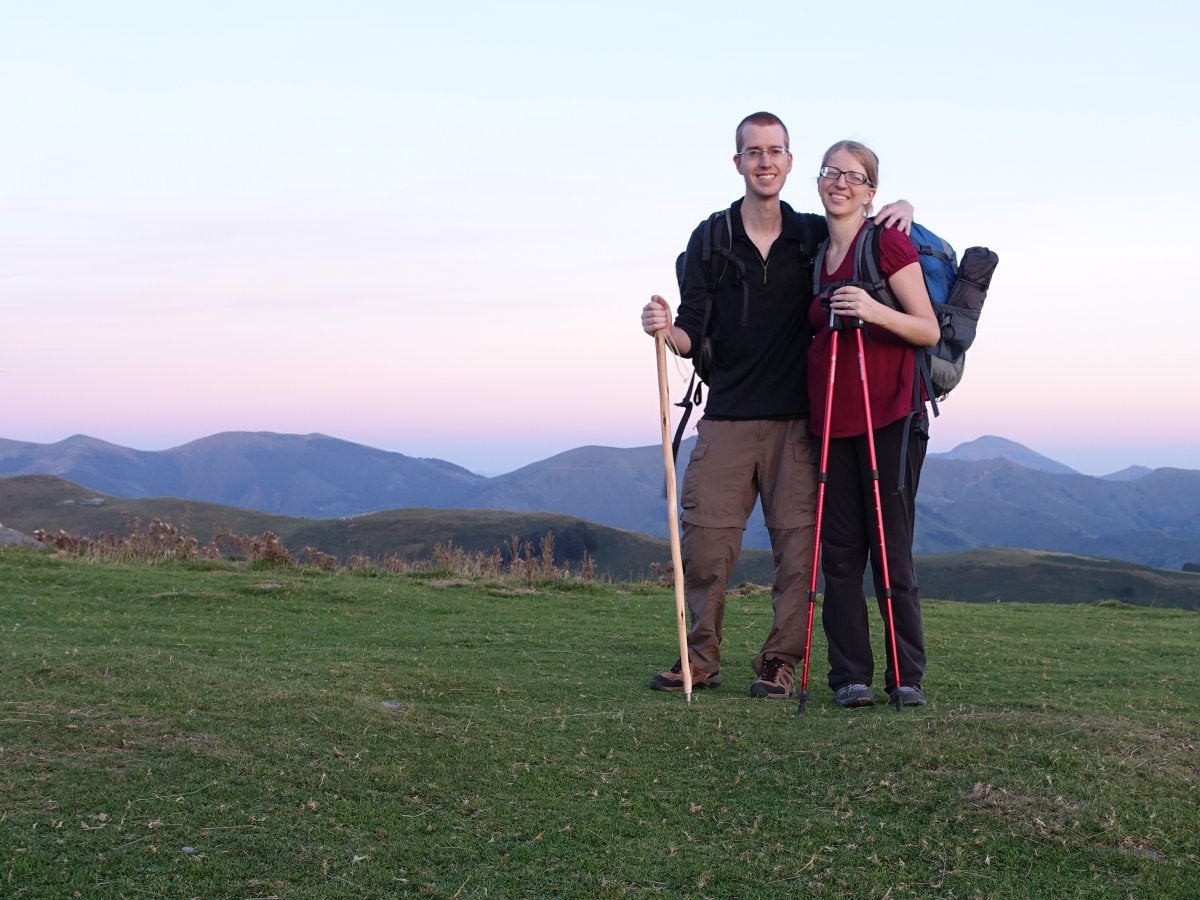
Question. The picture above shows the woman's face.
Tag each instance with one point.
(839, 196)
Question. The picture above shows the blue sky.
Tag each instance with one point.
(430, 228)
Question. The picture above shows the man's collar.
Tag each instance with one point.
(791, 221)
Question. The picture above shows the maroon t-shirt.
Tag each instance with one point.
(889, 359)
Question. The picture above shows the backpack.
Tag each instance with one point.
(957, 291)
(716, 258)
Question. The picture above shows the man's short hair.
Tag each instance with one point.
(760, 118)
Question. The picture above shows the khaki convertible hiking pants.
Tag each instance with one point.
(734, 464)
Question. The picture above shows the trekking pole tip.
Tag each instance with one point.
(802, 704)
(687, 698)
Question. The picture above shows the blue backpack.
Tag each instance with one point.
(958, 291)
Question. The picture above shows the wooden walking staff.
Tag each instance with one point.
(664, 408)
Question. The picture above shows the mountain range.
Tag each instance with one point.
(990, 492)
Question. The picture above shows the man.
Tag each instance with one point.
(753, 441)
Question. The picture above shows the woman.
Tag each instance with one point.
(846, 185)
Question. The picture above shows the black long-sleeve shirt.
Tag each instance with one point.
(760, 332)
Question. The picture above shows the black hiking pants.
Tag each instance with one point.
(850, 535)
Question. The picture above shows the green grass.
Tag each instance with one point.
(217, 731)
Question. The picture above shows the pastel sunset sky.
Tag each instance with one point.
(430, 228)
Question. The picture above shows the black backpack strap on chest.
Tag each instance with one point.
(808, 240)
(717, 258)
(716, 253)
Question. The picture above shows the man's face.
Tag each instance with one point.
(764, 168)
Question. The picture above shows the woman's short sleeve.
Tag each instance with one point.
(896, 251)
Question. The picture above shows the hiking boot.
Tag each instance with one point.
(672, 679)
(907, 695)
(776, 681)
(851, 695)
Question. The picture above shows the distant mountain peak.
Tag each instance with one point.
(992, 447)
(1129, 473)
(77, 441)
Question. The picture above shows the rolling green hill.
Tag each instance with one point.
(30, 502)
(1037, 576)
(49, 503)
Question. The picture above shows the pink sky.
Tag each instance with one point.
(301, 238)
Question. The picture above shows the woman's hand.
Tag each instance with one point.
(915, 322)
(855, 303)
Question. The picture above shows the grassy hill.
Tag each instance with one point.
(413, 533)
(222, 730)
(1038, 576)
(30, 502)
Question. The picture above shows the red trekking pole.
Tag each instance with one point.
(822, 475)
(898, 700)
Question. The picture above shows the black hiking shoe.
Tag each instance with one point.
(672, 679)
(907, 695)
(776, 681)
(849, 696)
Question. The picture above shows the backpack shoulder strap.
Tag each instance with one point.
(923, 380)
(870, 274)
(809, 241)
(818, 266)
(706, 254)
(867, 270)
(718, 257)
(715, 256)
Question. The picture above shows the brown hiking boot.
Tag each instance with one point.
(776, 681)
(672, 679)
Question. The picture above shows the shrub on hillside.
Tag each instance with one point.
(160, 541)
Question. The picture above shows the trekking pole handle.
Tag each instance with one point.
(837, 323)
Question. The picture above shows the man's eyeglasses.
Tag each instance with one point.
(754, 154)
(833, 174)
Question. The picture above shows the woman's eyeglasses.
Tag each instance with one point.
(832, 174)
